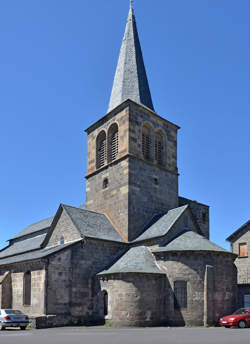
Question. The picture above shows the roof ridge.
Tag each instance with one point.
(82, 209)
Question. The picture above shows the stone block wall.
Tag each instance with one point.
(134, 299)
(220, 290)
(5, 290)
(15, 287)
(88, 260)
(242, 263)
(121, 117)
(65, 228)
(112, 200)
(59, 283)
(137, 189)
(138, 116)
(71, 287)
(200, 213)
(148, 197)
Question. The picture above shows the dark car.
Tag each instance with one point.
(240, 318)
(13, 318)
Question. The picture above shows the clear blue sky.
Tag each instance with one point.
(57, 63)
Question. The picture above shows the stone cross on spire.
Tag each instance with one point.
(130, 80)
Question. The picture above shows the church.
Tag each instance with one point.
(136, 253)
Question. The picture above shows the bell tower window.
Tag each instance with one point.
(146, 142)
(159, 148)
(113, 142)
(101, 150)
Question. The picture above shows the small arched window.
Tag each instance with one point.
(27, 288)
(105, 183)
(105, 302)
(159, 148)
(62, 240)
(101, 150)
(146, 142)
(113, 142)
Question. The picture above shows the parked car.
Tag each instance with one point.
(13, 318)
(240, 318)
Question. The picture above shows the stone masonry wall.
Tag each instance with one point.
(137, 189)
(38, 273)
(88, 260)
(65, 228)
(242, 263)
(121, 118)
(5, 291)
(134, 299)
(146, 198)
(113, 200)
(72, 287)
(200, 213)
(191, 267)
(59, 284)
(139, 116)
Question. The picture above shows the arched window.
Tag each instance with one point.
(101, 149)
(113, 142)
(62, 240)
(105, 302)
(27, 288)
(159, 148)
(105, 183)
(146, 142)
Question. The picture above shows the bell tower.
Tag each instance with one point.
(132, 152)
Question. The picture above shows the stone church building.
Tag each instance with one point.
(136, 253)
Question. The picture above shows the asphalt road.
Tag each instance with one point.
(105, 335)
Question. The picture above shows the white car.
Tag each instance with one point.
(13, 318)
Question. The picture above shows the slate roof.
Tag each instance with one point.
(35, 254)
(238, 231)
(23, 246)
(35, 227)
(190, 241)
(92, 224)
(162, 225)
(137, 259)
(130, 81)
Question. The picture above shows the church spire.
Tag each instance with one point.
(130, 80)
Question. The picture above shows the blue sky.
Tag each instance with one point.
(57, 64)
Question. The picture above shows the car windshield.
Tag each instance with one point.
(241, 311)
(12, 311)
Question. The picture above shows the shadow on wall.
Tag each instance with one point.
(6, 291)
(138, 299)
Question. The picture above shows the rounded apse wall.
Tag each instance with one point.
(134, 299)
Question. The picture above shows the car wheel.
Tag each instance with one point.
(23, 328)
(227, 326)
(2, 328)
(241, 324)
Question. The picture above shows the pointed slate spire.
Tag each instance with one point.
(130, 80)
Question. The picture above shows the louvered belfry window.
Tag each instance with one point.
(159, 149)
(146, 143)
(101, 150)
(113, 146)
(180, 294)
